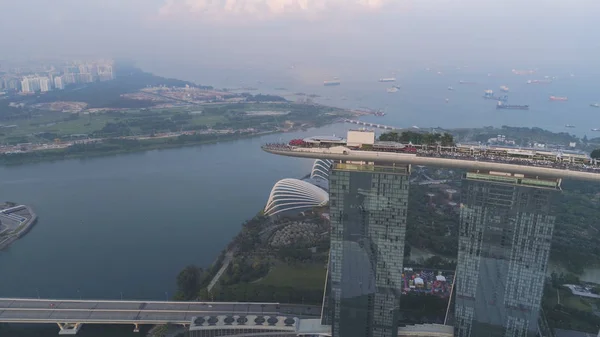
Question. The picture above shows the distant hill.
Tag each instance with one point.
(108, 94)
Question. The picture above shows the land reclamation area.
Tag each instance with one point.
(139, 111)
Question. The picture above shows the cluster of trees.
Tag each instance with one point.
(522, 135)
(265, 98)
(419, 138)
(576, 239)
(428, 228)
(256, 292)
(244, 270)
(595, 154)
(189, 283)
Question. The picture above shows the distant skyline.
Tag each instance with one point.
(366, 36)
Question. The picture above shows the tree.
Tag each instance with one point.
(188, 282)
(595, 154)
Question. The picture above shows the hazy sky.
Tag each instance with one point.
(366, 35)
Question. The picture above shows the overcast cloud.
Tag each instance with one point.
(363, 35)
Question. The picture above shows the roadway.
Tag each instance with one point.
(19, 310)
(341, 153)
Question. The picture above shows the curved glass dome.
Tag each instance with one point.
(294, 194)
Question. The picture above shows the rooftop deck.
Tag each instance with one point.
(448, 159)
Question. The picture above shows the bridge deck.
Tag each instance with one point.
(15, 310)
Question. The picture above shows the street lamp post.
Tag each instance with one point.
(79, 293)
(167, 296)
(37, 291)
(121, 295)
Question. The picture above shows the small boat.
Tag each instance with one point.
(569, 126)
(450, 88)
(595, 105)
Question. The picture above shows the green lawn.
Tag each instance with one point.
(307, 276)
(569, 300)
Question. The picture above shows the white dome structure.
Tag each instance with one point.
(321, 168)
(294, 194)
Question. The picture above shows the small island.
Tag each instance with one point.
(15, 221)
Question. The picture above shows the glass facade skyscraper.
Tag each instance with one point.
(505, 231)
(368, 205)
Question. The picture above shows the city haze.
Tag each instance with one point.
(325, 37)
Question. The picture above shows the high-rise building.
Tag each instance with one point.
(368, 204)
(58, 83)
(505, 230)
(25, 85)
(30, 84)
(45, 84)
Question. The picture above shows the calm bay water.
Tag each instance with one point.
(127, 224)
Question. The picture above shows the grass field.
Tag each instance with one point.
(54, 122)
(569, 300)
(305, 276)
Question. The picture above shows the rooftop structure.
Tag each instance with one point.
(294, 194)
(321, 169)
(521, 162)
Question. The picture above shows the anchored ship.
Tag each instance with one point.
(539, 81)
(504, 88)
(569, 126)
(501, 105)
(331, 83)
(387, 79)
(489, 94)
(595, 105)
(559, 98)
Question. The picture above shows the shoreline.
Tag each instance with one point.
(33, 159)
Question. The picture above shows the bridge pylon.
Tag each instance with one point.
(69, 328)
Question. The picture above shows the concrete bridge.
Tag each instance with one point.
(373, 125)
(70, 315)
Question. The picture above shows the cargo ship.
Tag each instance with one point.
(387, 79)
(501, 105)
(489, 94)
(559, 98)
(392, 89)
(331, 83)
(466, 82)
(539, 81)
(595, 129)
(595, 105)
(504, 88)
(569, 126)
(523, 72)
